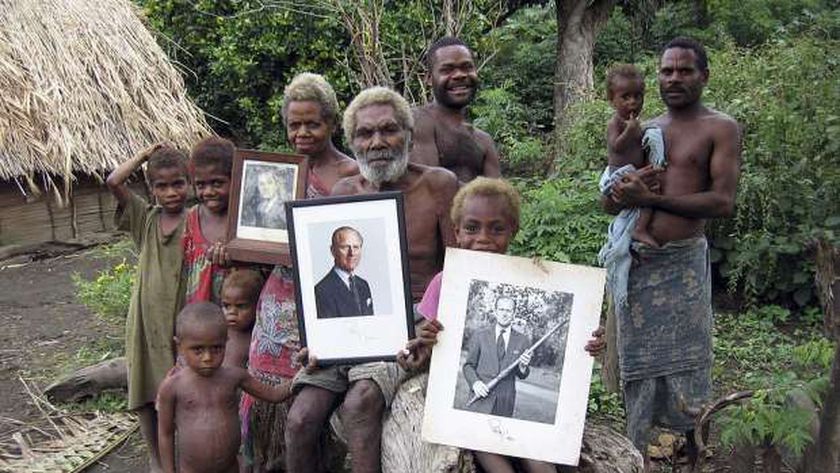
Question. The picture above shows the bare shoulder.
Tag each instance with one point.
(722, 122)
(438, 178)
(422, 119)
(485, 139)
(348, 185)
(169, 385)
(347, 167)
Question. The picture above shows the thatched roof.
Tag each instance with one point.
(84, 86)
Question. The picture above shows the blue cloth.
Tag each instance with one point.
(615, 254)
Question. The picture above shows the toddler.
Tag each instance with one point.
(198, 402)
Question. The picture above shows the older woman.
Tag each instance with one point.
(310, 113)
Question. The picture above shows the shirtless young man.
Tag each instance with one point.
(442, 136)
(665, 330)
(378, 125)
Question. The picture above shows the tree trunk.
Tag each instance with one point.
(771, 461)
(827, 445)
(603, 450)
(90, 381)
(578, 23)
(742, 458)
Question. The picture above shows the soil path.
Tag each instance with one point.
(44, 326)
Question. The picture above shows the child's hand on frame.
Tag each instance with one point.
(309, 362)
(418, 351)
(218, 254)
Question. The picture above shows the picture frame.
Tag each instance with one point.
(350, 261)
(261, 183)
(551, 310)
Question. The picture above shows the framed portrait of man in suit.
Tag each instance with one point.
(510, 375)
(351, 274)
(261, 184)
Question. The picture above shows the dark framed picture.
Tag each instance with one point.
(351, 276)
(261, 183)
(511, 368)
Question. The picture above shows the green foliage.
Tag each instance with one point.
(752, 353)
(765, 419)
(523, 64)
(790, 181)
(561, 220)
(499, 113)
(104, 402)
(603, 403)
(109, 294)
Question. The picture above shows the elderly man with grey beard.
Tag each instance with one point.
(377, 126)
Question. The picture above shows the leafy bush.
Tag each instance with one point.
(561, 220)
(602, 402)
(752, 353)
(790, 182)
(523, 64)
(499, 113)
(109, 294)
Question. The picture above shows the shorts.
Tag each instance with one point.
(386, 375)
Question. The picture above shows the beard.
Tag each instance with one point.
(397, 162)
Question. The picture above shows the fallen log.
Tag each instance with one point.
(603, 451)
(90, 381)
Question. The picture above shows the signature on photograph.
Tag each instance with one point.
(498, 428)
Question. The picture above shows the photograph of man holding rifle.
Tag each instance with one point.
(496, 356)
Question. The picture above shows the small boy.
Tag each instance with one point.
(156, 231)
(626, 94)
(485, 214)
(200, 400)
(240, 292)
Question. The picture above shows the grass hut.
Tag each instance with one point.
(84, 87)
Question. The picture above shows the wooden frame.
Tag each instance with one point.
(257, 231)
(479, 386)
(341, 322)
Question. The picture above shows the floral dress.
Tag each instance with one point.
(203, 279)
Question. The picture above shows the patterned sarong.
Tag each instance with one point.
(665, 335)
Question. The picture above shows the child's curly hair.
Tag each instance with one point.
(247, 279)
(626, 71)
(488, 187)
(164, 157)
(213, 151)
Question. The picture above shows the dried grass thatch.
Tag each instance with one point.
(62, 441)
(85, 86)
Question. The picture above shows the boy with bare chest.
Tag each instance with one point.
(200, 402)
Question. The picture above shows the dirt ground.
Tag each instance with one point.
(44, 327)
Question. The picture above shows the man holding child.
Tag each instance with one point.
(665, 328)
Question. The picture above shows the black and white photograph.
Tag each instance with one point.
(265, 189)
(351, 268)
(509, 374)
(261, 184)
(512, 351)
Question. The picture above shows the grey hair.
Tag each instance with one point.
(377, 96)
(309, 87)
